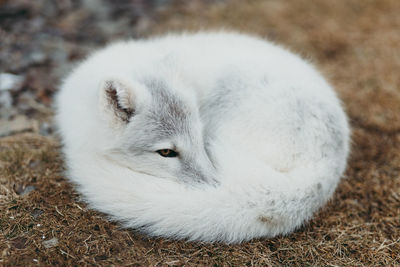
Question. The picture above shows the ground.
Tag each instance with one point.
(356, 44)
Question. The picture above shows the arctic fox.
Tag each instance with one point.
(209, 136)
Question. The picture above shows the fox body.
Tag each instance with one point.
(206, 136)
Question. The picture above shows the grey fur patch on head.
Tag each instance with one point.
(169, 111)
(166, 118)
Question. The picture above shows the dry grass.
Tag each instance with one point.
(356, 43)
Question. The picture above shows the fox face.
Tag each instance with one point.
(159, 133)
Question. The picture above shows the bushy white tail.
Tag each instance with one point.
(236, 210)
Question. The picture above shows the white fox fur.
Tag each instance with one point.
(261, 137)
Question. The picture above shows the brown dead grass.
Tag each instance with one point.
(356, 43)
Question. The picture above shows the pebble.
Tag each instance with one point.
(50, 243)
(27, 190)
(9, 81)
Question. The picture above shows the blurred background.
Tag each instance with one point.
(40, 41)
(354, 43)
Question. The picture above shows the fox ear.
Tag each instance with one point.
(117, 99)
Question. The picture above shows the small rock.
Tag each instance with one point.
(27, 190)
(9, 81)
(50, 243)
(24, 190)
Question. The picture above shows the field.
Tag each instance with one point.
(43, 221)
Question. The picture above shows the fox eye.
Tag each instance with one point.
(168, 153)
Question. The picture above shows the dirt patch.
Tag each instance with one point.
(354, 43)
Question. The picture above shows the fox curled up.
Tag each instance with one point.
(210, 136)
